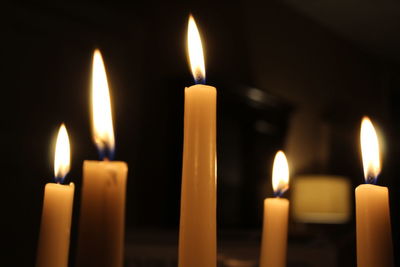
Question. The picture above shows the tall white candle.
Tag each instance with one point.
(374, 235)
(197, 231)
(276, 212)
(102, 215)
(55, 225)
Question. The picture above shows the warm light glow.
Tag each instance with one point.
(370, 151)
(103, 133)
(62, 155)
(318, 198)
(195, 49)
(280, 174)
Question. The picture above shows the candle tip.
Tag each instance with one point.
(62, 155)
(195, 51)
(370, 151)
(280, 174)
(102, 124)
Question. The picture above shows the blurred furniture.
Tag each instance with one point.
(154, 248)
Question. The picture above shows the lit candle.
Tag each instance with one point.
(275, 225)
(374, 235)
(197, 232)
(102, 215)
(55, 226)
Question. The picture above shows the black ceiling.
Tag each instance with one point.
(373, 25)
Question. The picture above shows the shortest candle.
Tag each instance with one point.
(374, 236)
(55, 226)
(276, 210)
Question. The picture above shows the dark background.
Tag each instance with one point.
(293, 75)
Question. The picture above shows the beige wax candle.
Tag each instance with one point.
(197, 232)
(53, 246)
(55, 226)
(102, 214)
(275, 224)
(274, 236)
(374, 236)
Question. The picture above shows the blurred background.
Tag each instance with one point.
(293, 75)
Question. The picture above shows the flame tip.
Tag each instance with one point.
(102, 125)
(195, 51)
(369, 150)
(280, 174)
(62, 157)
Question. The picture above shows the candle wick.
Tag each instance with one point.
(371, 179)
(106, 153)
(278, 193)
(58, 180)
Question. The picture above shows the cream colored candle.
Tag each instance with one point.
(53, 246)
(197, 232)
(275, 224)
(374, 236)
(102, 215)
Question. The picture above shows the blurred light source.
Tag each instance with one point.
(256, 94)
(321, 199)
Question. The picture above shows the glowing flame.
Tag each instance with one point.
(370, 151)
(280, 174)
(62, 155)
(195, 49)
(103, 132)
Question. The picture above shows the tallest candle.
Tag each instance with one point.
(197, 232)
(102, 215)
(374, 237)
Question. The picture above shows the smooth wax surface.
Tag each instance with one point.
(197, 232)
(55, 227)
(102, 215)
(274, 235)
(374, 235)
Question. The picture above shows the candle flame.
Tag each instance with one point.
(280, 174)
(103, 132)
(370, 151)
(195, 50)
(62, 155)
